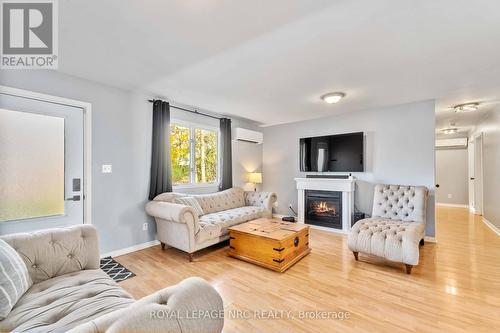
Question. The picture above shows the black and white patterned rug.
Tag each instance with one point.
(115, 270)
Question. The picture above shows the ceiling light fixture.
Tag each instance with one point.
(332, 98)
(467, 107)
(450, 130)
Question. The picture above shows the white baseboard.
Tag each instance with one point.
(443, 204)
(492, 226)
(430, 239)
(130, 249)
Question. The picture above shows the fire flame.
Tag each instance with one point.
(323, 207)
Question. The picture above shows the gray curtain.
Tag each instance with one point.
(226, 180)
(161, 165)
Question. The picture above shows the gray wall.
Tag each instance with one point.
(399, 149)
(452, 175)
(121, 136)
(490, 127)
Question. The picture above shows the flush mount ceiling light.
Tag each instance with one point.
(450, 130)
(467, 107)
(332, 98)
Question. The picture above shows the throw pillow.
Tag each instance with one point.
(190, 201)
(14, 278)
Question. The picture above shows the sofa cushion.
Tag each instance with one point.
(192, 202)
(217, 224)
(224, 200)
(387, 238)
(14, 278)
(58, 304)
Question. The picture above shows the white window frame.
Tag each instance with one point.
(192, 152)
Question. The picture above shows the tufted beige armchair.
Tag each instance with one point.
(397, 226)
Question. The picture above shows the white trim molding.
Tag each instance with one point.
(87, 137)
(346, 186)
(493, 227)
(444, 204)
(430, 239)
(130, 249)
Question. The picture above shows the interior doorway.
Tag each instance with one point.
(476, 174)
(452, 172)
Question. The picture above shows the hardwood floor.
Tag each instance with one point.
(455, 288)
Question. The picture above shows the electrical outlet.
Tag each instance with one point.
(107, 168)
(450, 196)
(145, 227)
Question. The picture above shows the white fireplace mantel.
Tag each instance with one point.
(346, 186)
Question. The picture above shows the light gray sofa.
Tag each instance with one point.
(397, 226)
(71, 293)
(180, 226)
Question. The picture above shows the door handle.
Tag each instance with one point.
(437, 185)
(73, 198)
(472, 178)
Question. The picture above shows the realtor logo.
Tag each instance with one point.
(29, 34)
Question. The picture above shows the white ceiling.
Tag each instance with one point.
(269, 61)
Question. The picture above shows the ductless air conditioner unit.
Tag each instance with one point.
(451, 143)
(242, 134)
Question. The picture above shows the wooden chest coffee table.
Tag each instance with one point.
(273, 244)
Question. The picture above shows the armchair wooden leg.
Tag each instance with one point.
(408, 268)
(190, 257)
(355, 255)
(162, 246)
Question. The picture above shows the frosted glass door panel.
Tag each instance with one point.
(41, 164)
(31, 165)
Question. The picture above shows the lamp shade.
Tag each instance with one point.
(255, 177)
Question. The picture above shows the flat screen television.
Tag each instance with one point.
(332, 153)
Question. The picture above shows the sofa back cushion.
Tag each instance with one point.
(168, 196)
(52, 252)
(192, 202)
(224, 200)
(400, 202)
(14, 278)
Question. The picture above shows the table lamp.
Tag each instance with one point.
(255, 178)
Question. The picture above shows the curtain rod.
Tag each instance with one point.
(187, 110)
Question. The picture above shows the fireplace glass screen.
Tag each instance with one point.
(323, 208)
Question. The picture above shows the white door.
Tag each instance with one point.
(478, 175)
(41, 164)
(471, 173)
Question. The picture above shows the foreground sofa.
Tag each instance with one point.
(180, 226)
(397, 226)
(70, 292)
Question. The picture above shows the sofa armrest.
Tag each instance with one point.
(171, 211)
(193, 305)
(52, 252)
(261, 199)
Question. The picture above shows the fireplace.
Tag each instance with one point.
(323, 208)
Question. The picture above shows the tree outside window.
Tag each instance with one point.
(194, 154)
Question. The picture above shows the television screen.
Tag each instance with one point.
(332, 153)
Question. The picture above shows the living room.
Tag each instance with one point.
(159, 173)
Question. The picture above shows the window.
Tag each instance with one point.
(194, 154)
